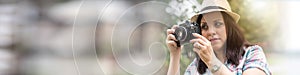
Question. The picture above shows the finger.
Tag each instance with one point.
(200, 36)
(175, 26)
(196, 50)
(204, 51)
(170, 31)
(199, 41)
(201, 55)
(171, 37)
(199, 46)
(172, 43)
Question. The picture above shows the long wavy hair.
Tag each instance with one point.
(234, 43)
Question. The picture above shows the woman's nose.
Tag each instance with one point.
(211, 31)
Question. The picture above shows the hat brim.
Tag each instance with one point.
(235, 16)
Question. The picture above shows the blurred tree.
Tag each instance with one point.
(256, 21)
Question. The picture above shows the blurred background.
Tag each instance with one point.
(124, 37)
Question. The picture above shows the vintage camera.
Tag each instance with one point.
(183, 33)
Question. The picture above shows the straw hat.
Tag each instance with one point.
(216, 5)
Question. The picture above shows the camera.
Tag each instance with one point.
(183, 33)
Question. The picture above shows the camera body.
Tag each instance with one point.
(183, 33)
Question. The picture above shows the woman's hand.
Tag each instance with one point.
(170, 41)
(203, 48)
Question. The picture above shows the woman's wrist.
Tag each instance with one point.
(175, 55)
(214, 65)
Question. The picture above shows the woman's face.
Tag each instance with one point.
(213, 28)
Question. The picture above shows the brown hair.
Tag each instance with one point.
(234, 43)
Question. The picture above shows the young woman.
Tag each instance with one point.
(222, 48)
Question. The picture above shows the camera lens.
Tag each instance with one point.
(181, 33)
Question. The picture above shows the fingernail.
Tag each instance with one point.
(194, 34)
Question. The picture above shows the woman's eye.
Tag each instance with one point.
(218, 23)
(204, 26)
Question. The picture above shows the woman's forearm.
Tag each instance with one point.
(174, 64)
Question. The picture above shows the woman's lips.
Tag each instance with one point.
(214, 39)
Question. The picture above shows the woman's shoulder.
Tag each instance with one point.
(254, 57)
(254, 52)
(253, 49)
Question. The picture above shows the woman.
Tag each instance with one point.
(222, 48)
